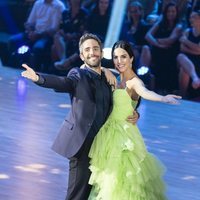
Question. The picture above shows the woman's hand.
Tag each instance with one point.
(171, 99)
(29, 73)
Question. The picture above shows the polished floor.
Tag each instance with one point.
(30, 117)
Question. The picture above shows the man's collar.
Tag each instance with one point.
(93, 73)
(92, 70)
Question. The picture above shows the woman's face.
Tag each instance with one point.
(171, 13)
(135, 12)
(103, 5)
(122, 60)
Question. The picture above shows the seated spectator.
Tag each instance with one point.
(189, 58)
(40, 28)
(163, 38)
(184, 7)
(98, 20)
(65, 45)
(136, 31)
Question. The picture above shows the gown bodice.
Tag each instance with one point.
(123, 105)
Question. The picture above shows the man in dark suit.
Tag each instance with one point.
(91, 97)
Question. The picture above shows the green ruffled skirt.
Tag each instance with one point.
(121, 166)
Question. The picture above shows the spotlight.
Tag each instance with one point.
(23, 49)
(107, 53)
(107, 58)
(21, 87)
(21, 55)
(146, 76)
(142, 70)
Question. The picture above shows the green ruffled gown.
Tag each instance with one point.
(121, 166)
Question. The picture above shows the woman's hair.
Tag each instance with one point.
(96, 8)
(138, 5)
(164, 21)
(127, 47)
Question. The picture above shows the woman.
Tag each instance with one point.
(163, 38)
(137, 29)
(121, 167)
(99, 15)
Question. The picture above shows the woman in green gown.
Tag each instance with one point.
(121, 166)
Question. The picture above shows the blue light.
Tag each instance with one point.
(23, 49)
(21, 87)
(142, 70)
(107, 53)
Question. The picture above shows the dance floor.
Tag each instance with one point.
(30, 118)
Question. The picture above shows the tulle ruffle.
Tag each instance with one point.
(122, 168)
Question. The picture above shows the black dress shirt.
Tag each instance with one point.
(102, 98)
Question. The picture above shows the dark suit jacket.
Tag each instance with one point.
(76, 126)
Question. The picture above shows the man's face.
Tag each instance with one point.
(195, 19)
(91, 53)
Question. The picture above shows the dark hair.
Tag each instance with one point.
(138, 5)
(164, 21)
(96, 8)
(88, 36)
(127, 47)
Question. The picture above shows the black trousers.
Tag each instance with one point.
(79, 174)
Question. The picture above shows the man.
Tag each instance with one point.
(40, 27)
(91, 97)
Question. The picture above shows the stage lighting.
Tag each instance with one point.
(23, 49)
(146, 76)
(107, 53)
(142, 70)
(21, 55)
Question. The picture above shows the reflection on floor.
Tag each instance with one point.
(31, 117)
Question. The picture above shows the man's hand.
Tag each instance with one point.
(133, 118)
(29, 73)
(110, 77)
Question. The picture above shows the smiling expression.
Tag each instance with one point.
(91, 53)
(122, 60)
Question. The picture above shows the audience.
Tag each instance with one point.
(136, 31)
(98, 20)
(42, 23)
(65, 47)
(189, 58)
(154, 28)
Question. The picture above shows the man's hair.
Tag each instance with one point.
(88, 36)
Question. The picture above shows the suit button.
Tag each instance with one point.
(89, 124)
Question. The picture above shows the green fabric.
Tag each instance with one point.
(122, 169)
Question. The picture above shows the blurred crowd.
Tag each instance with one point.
(165, 36)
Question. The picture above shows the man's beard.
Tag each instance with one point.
(94, 65)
